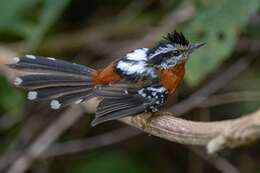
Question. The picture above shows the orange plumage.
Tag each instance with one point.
(171, 78)
(105, 76)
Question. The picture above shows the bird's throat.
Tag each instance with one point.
(171, 78)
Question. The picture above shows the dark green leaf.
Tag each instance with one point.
(51, 11)
(12, 18)
(11, 100)
(218, 23)
(109, 162)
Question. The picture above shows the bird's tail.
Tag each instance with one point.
(61, 82)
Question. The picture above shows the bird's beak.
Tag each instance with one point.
(195, 46)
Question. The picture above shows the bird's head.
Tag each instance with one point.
(173, 49)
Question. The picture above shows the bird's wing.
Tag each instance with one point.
(124, 100)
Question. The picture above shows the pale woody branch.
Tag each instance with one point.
(214, 135)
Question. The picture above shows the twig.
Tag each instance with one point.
(214, 85)
(215, 135)
(76, 146)
(91, 37)
(231, 97)
(41, 144)
(183, 13)
(91, 143)
(218, 162)
(6, 56)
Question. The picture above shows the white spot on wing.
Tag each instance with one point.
(30, 56)
(135, 63)
(138, 55)
(16, 59)
(32, 95)
(55, 104)
(141, 92)
(161, 89)
(132, 67)
(18, 81)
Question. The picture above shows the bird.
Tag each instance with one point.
(138, 82)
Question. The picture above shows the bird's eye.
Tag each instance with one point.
(176, 53)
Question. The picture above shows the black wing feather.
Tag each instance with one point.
(116, 112)
(119, 101)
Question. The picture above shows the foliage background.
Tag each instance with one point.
(94, 33)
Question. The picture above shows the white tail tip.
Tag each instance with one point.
(55, 104)
(18, 81)
(32, 95)
(16, 59)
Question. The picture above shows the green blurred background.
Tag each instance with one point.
(96, 32)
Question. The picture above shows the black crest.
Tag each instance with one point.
(176, 38)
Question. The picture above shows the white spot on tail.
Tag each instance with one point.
(16, 59)
(30, 56)
(50, 58)
(18, 81)
(55, 104)
(78, 101)
(32, 95)
(126, 92)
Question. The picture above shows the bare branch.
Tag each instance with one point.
(218, 162)
(214, 135)
(210, 88)
(91, 143)
(76, 146)
(6, 56)
(231, 97)
(42, 143)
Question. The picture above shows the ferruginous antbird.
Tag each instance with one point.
(138, 82)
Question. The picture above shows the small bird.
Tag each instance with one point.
(138, 82)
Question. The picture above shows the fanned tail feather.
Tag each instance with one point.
(68, 99)
(38, 64)
(61, 82)
(36, 81)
